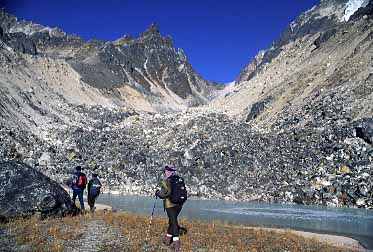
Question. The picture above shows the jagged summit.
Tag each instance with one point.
(153, 29)
(151, 37)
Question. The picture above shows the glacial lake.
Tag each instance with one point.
(354, 223)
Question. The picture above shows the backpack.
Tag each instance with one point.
(82, 181)
(178, 193)
(94, 187)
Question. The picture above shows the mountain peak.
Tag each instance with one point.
(151, 30)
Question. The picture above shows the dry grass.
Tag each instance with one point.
(32, 234)
(204, 236)
(54, 235)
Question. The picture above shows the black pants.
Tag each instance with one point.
(92, 199)
(173, 225)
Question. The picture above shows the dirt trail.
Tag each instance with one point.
(95, 233)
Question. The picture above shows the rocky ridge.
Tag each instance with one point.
(144, 72)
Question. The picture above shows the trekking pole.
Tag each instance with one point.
(151, 220)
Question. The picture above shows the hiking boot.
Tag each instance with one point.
(167, 240)
(176, 246)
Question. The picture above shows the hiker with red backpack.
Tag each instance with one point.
(78, 185)
(174, 194)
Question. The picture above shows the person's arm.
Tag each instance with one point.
(165, 190)
(89, 185)
(75, 180)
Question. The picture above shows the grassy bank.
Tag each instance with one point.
(119, 231)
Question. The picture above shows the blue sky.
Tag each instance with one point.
(218, 37)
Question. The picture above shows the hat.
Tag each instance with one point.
(78, 168)
(170, 167)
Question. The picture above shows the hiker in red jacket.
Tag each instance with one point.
(78, 185)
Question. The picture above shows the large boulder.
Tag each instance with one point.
(257, 108)
(324, 36)
(25, 191)
(364, 129)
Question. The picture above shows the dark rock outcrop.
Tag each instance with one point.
(257, 108)
(25, 191)
(364, 129)
(324, 36)
(20, 42)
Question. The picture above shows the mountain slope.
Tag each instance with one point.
(319, 54)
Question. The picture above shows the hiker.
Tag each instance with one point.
(94, 187)
(174, 194)
(78, 185)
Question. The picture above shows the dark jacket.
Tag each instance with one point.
(94, 186)
(165, 192)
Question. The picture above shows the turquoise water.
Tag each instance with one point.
(355, 223)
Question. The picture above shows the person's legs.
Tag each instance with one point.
(172, 221)
(173, 226)
(74, 195)
(80, 196)
(167, 239)
(90, 201)
(173, 213)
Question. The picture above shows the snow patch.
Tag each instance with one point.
(352, 6)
